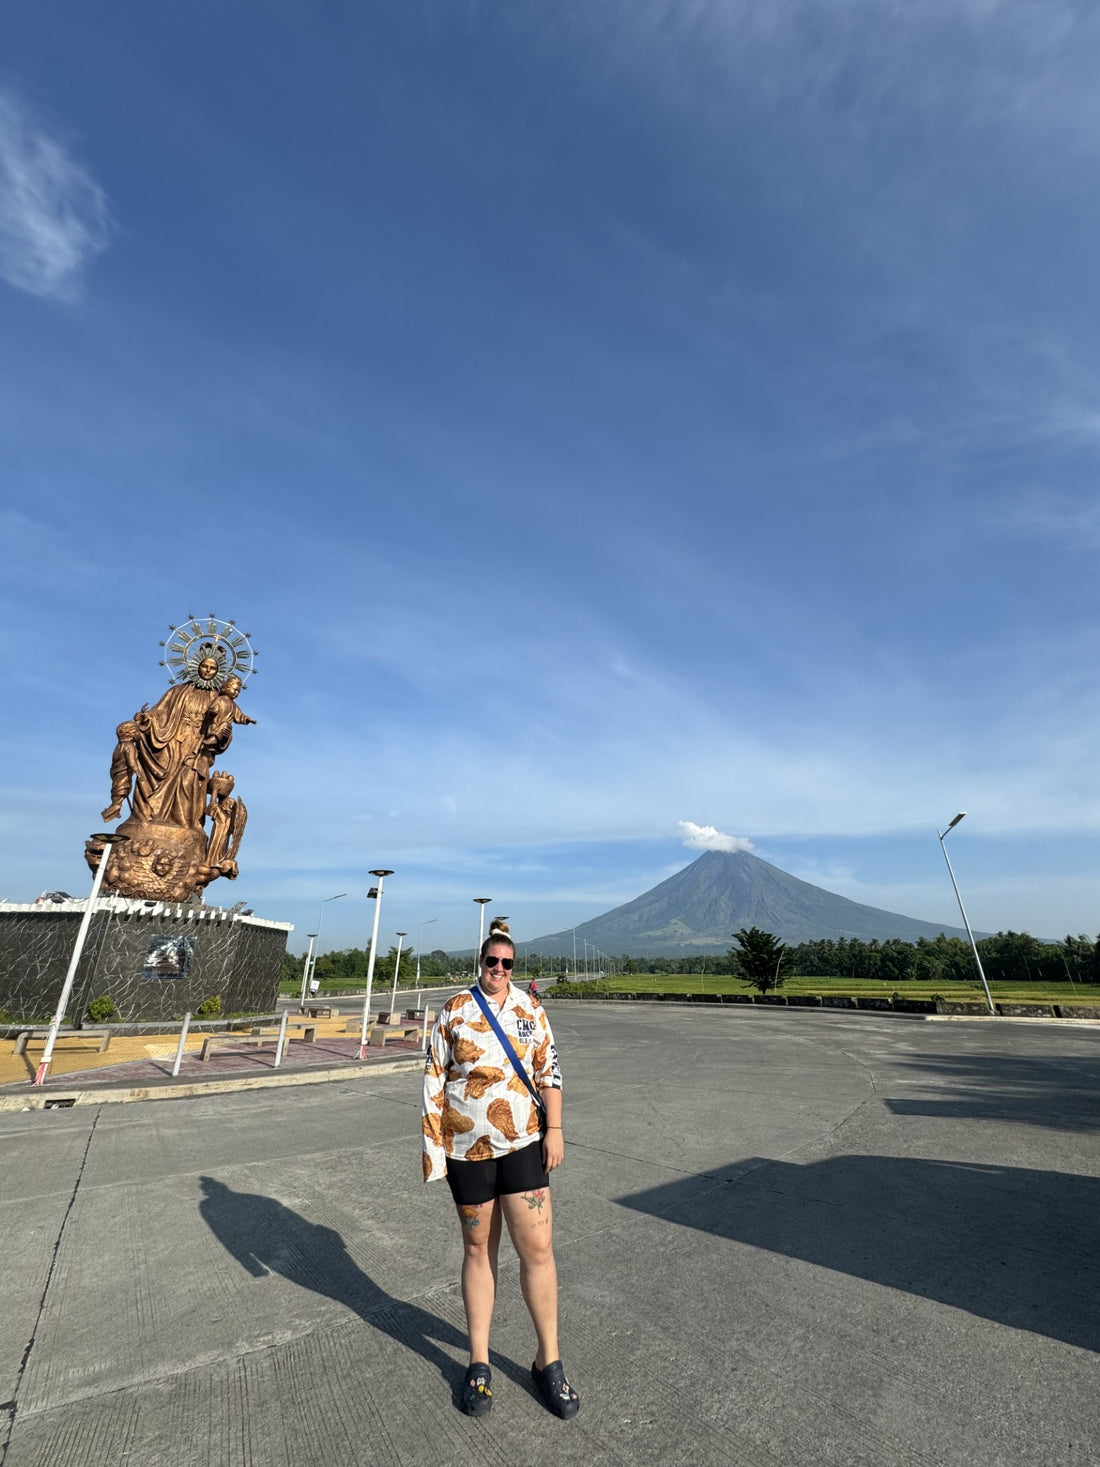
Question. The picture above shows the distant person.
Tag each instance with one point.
(533, 991)
(315, 986)
(496, 1144)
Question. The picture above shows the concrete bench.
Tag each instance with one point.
(378, 1031)
(418, 1015)
(309, 1031)
(377, 1034)
(214, 1042)
(318, 1010)
(355, 1026)
(255, 1039)
(23, 1038)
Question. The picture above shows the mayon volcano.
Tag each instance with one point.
(698, 910)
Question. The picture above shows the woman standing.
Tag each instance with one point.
(482, 1131)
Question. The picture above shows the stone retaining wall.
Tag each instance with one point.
(847, 1001)
(235, 958)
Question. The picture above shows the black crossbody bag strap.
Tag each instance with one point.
(506, 1045)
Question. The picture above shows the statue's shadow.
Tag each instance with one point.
(265, 1237)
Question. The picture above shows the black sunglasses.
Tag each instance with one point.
(506, 963)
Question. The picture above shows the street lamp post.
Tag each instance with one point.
(981, 971)
(420, 945)
(481, 901)
(81, 937)
(376, 893)
(306, 976)
(396, 968)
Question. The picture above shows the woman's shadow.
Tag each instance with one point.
(266, 1237)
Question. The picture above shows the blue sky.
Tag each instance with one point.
(602, 417)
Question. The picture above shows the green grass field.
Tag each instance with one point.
(855, 987)
(356, 985)
(1067, 992)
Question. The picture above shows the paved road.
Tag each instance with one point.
(799, 1239)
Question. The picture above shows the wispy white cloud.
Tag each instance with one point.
(53, 215)
(1055, 516)
(707, 838)
(1026, 62)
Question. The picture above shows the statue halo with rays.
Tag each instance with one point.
(201, 639)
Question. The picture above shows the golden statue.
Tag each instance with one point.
(227, 821)
(163, 766)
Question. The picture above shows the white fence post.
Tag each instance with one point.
(183, 1041)
(281, 1040)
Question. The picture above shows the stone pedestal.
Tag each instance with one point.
(157, 861)
(154, 960)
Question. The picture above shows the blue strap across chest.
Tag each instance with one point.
(506, 1045)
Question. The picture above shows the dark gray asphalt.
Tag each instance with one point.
(802, 1238)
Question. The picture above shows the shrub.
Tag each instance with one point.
(210, 1007)
(102, 1010)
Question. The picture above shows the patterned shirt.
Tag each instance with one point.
(475, 1105)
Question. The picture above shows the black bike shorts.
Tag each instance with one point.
(474, 1182)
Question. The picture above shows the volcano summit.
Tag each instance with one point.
(698, 910)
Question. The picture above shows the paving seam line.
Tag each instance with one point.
(12, 1406)
(1010, 1019)
(177, 1372)
(123, 1094)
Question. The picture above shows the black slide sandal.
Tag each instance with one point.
(556, 1393)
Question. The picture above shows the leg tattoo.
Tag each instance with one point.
(535, 1199)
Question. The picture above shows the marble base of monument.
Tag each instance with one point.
(153, 960)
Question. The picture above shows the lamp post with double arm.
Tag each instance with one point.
(419, 945)
(311, 963)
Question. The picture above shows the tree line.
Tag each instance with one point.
(1007, 957)
(349, 964)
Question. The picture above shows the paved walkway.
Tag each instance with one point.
(146, 1060)
(784, 1240)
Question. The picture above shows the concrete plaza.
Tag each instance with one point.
(783, 1237)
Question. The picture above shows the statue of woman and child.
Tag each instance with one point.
(163, 766)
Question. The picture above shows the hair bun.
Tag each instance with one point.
(498, 925)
